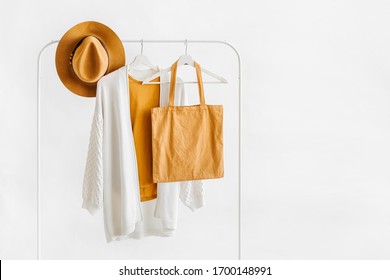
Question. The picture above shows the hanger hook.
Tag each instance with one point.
(186, 44)
(142, 46)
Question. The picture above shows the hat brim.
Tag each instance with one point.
(67, 44)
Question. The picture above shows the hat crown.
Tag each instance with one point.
(90, 60)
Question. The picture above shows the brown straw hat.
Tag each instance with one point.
(85, 53)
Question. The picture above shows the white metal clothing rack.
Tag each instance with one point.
(148, 42)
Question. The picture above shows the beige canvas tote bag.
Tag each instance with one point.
(187, 141)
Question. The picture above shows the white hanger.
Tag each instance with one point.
(185, 60)
(141, 59)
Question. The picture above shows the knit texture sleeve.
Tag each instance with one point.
(191, 192)
(93, 176)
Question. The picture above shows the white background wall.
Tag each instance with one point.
(316, 122)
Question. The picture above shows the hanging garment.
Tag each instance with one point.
(142, 99)
(187, 140)
(159, 216)
(111, 175)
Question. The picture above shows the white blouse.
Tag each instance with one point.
(111, 174)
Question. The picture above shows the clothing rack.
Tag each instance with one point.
(186, 42)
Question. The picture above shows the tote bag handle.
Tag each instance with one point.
(173, 84)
